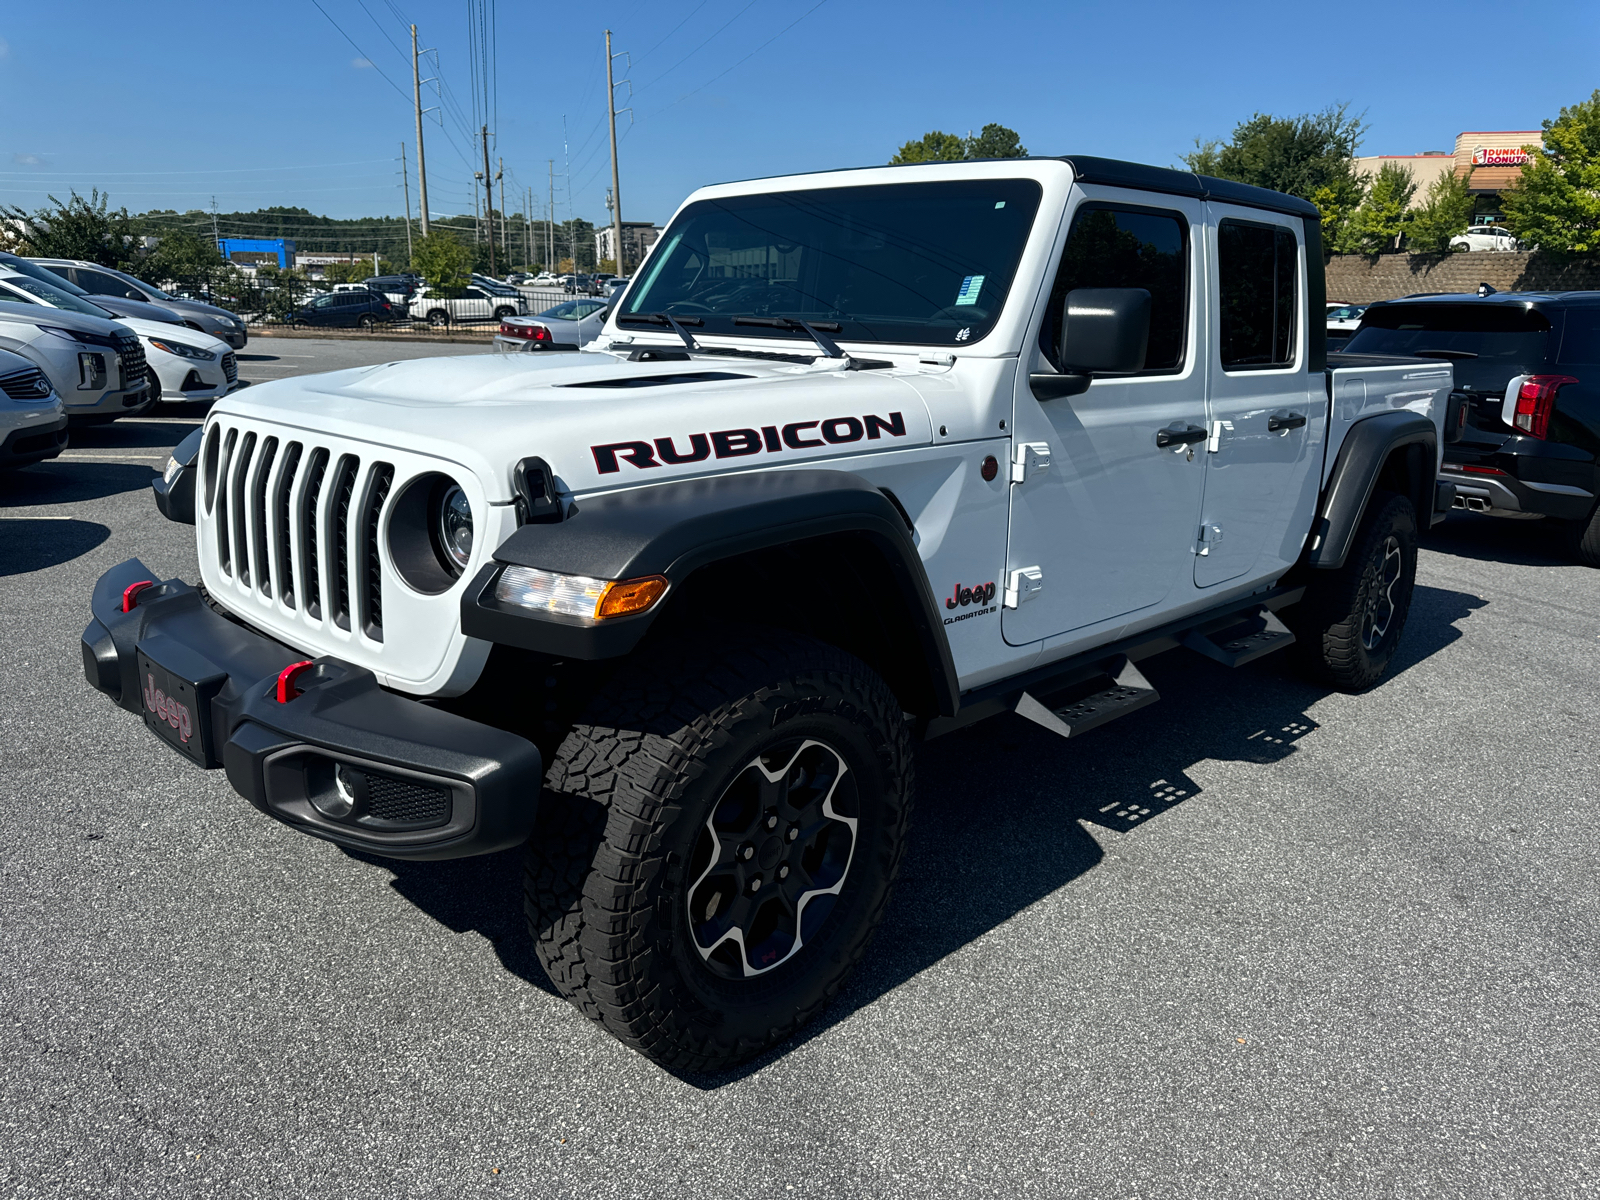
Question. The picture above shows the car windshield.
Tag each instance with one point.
(57, 297)
(34, 271)
(573, 310)
(920, 263)
(1486, 343)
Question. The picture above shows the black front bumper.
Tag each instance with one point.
(428, 784)
(33, 443)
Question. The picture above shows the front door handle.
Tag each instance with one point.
(1284, 422)
(1188, 435)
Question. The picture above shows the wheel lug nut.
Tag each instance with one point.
(783, 872)
(793, 833)
(772, 821)
(755, 884)
(747, 852)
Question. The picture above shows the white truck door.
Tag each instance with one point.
(1263, 419)
(1102, 519)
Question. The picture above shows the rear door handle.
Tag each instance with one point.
(1284, 421)
(1188, 435)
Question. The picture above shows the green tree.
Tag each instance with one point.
(1384, 217)
(1311, 156)
(995, 141)
(442, 261)
(932, 147)
(74, 228)
(1556, 203)
(183, 256)
(1446, 211)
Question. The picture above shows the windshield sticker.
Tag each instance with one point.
(970, 287)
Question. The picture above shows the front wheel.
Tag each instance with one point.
(717, 842)
(438, 318)
(1350, 621)
(501, 313)
(366, 322)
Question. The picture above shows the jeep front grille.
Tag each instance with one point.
(311, 546)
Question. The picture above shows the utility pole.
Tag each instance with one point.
(527, 225)
(616, 187)
(500, 177)
(550, 226)
(215, 236)
(488, 199)
(405, 183)
(477, 217)
(422, 163)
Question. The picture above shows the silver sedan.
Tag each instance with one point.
(567, 326)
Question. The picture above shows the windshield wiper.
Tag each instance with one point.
(829, 347)
(677, 324)
(1443, 354)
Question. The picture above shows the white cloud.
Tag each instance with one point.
(360, 64)
(28, 160)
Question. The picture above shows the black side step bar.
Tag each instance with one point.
(1243, 639)
(1129, 692)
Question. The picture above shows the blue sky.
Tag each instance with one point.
(167, 104)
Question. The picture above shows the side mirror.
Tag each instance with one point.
(1103, 331)
(130, 294)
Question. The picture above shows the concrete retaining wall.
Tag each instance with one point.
(1356, 279)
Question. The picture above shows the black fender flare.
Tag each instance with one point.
(1366, 448)
(673, 529)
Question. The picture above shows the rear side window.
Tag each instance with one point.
(100, 285)
(1257, 276)
(1112, 247)
(1580, 342)
(1487, 343)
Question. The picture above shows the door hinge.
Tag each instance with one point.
(1210, 535)
(1031, 458)
(1217, 428)
(1022, 584)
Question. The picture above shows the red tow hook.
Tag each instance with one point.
(286, 677)
(130, 594)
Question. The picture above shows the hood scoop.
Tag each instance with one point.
(644, 381)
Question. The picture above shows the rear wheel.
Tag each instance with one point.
(1586, 539)
(1350, 621)
(717, 843)
(366, 322)
(501, 313)
(438, 318)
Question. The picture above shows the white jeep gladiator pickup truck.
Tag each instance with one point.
(859, 458)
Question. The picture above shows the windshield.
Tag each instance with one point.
(1487, 344)
(34, 271)
(574, 310)
(57, 297)
(920, 263)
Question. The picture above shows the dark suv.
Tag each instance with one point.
(346, 310)
(1527, 369)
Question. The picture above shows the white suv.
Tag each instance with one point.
(1485, 237)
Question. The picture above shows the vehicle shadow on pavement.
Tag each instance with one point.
(1003, 818)
(28, 544)
(1497, 539)
(126, 435)
(71, 482)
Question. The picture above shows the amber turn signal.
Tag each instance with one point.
(629, 596)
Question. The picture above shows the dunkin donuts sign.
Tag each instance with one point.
(1485, 157)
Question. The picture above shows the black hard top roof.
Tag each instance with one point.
(1114, 172)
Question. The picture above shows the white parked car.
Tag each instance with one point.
(469, 305)
(1485, 237)
(1342, 321)
(95, 364)
(567, 326)
(543, 280)
(33, 419)
(184, 364)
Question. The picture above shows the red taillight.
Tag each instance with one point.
(286, 677)
(1471, 470)
(533, 333)
(1536, 400)
(130, 594)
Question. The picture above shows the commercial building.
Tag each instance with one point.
(637, 238)
(1494, 158)
(256, 251)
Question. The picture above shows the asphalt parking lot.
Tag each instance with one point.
(1258, 940)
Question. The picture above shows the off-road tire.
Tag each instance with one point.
(1335, 622)
(629, 792)
(1586, 539)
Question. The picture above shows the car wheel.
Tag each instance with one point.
(366, 322)
(1459, 247)
(438, 318)
(1350, 621)
(155, 387)
(1586, 539)
(298, 325)
(718, 839)
(501, 313)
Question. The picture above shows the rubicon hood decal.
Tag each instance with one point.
(737, 443)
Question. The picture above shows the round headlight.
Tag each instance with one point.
(455, 528)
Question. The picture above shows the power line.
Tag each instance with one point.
(698, 48)
(747, 57)
(367, 58)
